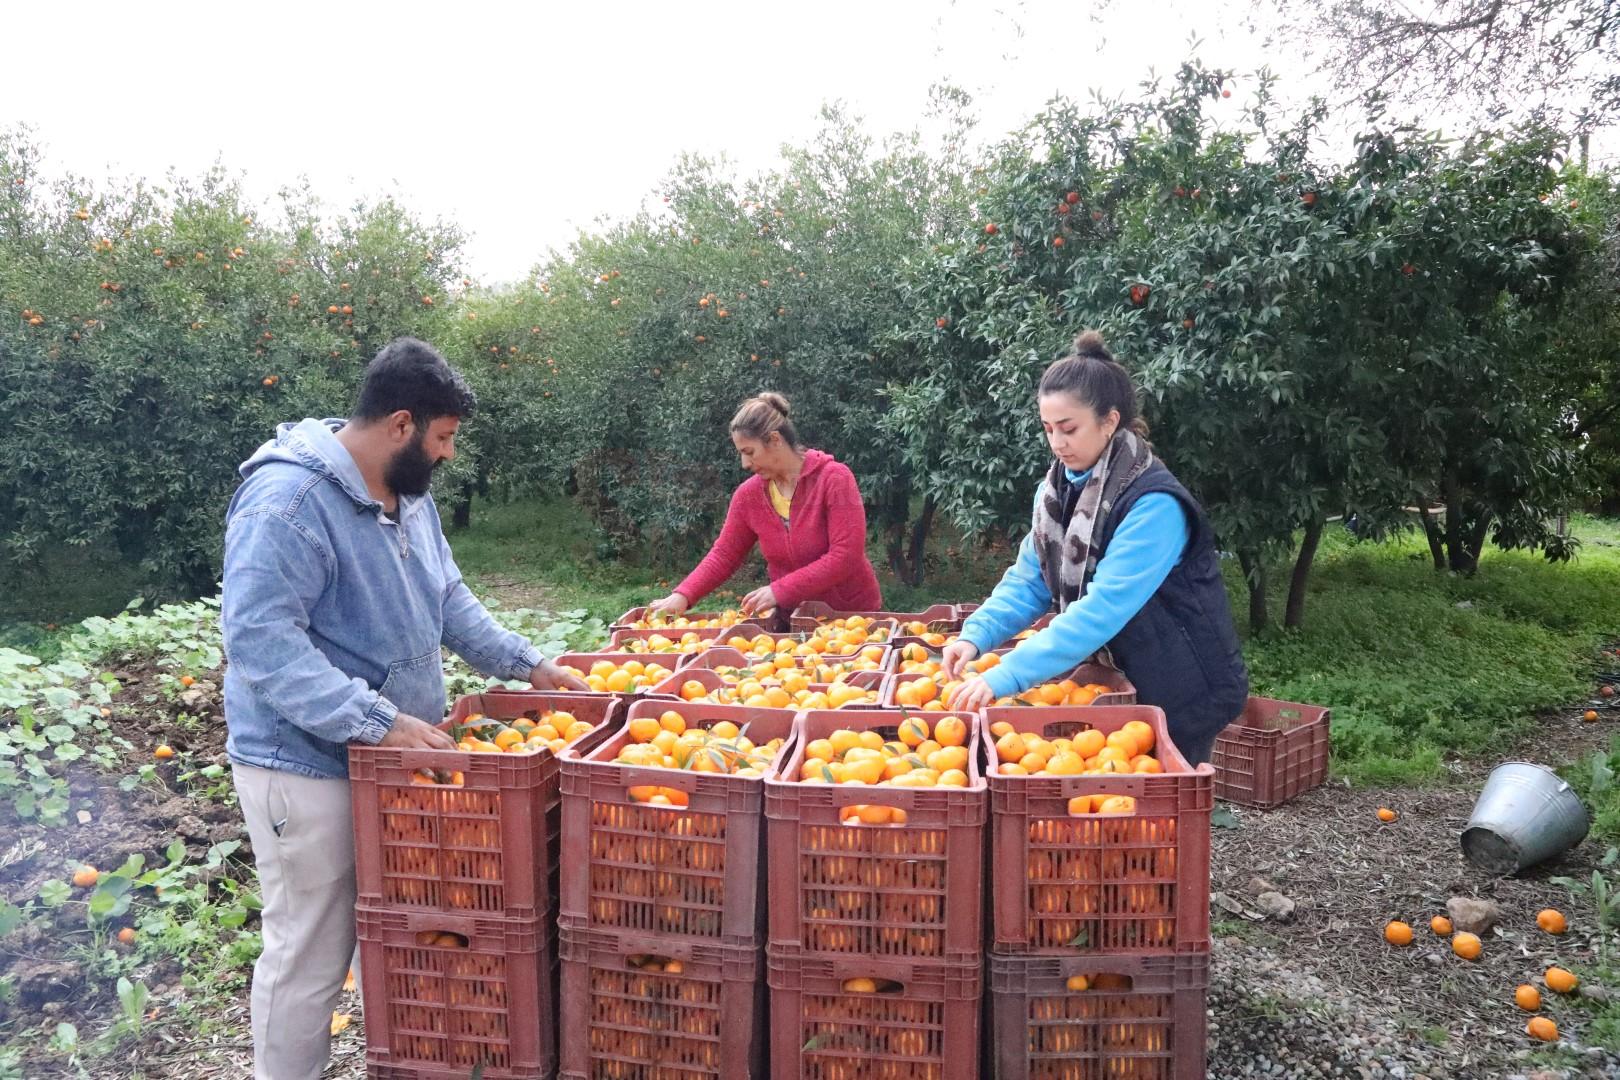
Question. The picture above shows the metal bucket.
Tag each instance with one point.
(1525, 814)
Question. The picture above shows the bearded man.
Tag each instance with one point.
(339, 593)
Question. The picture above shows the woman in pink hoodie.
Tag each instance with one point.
(803, 509)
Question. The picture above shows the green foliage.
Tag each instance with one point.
(1418, 667)
(632, 350)
(1310, 339)
(1593, 779)
(192, 911)
(151, 337)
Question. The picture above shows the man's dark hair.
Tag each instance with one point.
(411, 374)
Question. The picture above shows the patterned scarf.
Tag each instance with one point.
(1065, 555)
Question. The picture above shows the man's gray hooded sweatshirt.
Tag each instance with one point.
(334, 614)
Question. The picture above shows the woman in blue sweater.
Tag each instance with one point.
(1126, 558)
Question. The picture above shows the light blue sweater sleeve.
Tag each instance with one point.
(1019, 599)
(1146, 547)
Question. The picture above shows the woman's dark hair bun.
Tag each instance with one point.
(1090, 343)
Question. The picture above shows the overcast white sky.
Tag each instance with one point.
(525, 122)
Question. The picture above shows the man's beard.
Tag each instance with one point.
(410, 470)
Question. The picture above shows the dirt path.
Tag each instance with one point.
(516, 593)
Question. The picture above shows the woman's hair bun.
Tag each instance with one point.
(1090, 343)
(777, 402)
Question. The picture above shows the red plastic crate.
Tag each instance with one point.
(581, 664)
(1274, 752)
(717, 657)
(713, 680)
(926, 1030)
(725, 656)
(962, 613)
(1123, 692)
(812, 613)
(688, 872)
(620, 1020)
(913, 890)
(1146, 1021)
(799, 637)
(714, 634)
(487, 846)
(628, 620)
(441, 1010)
(878, 631)
(1098, 883)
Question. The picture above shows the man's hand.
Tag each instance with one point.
(971, 696)
(409, 733)
(761, 601)
(550, 675)
(955, 657)
(673, 605)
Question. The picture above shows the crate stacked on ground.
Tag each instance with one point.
(663, 892)
(831, 641)
(1274, 752)
(876, 825)
(456, 855)
(1099, 894)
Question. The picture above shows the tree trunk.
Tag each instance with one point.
(1254, 576)
(1470, 541)
(461, 516)
(1476, 538)
(894, 528)
(1294, 617)
(1454, 521)
(1431, 529)
(919, 541)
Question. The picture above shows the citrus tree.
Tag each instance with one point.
(152, 338)
(1269, 306)
(651, 332)
(1469, 269)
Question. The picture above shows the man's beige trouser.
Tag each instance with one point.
(303, 842)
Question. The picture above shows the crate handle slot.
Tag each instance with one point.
(438, 777)
(872, 815)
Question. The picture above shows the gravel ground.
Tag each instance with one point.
(1321, 994)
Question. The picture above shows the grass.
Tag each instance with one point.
(58, 589)
(1596, 779)
(1417, 665)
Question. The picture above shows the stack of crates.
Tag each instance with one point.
(1099, 951)
(875, 960)
(663, 899)
(456, 866)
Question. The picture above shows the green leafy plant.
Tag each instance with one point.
(132, 999)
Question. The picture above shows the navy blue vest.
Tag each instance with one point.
(1181, 650)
